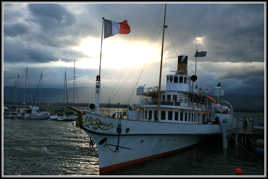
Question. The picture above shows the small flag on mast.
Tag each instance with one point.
(111, 28)
(200, 54)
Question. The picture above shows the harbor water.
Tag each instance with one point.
(46, 147)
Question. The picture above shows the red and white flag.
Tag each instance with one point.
(111, 28)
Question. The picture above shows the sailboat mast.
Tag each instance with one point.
(74, 84)
(15, 88)
(25, 85)
(65, 89)
(162, 50)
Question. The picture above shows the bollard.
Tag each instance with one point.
(238, 171)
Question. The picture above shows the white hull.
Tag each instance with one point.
(63, 118)
(140, 140)
(41, 116)
(138, 148)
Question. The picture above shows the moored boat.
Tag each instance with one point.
(33, 112)
(162, 121)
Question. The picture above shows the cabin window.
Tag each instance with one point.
(175, 79)
(163, 97)
(163, 115)
(167, 78)
(176, 116)
(185, 118)
(185, 79)
(204, 118)
(150, 115)
(169, 115)
(146, 113)
(171, 78)
(190, 117)
(181, 116)
(155, 115)
(168, 97)
(181, 79)
(175, 98)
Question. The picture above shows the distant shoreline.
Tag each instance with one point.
(118, 105)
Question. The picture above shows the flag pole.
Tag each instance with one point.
(98, 77)
(101, 46)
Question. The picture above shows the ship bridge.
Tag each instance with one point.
(177, 88)
(180, 80)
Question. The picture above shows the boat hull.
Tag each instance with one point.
(116, 152)
(39, 116)
(125, 142)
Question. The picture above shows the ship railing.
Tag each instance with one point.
(170, 103)
(150, 91)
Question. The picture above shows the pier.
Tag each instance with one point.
(247, 134)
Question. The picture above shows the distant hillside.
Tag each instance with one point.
(85, 94)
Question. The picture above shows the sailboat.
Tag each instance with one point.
(162, 122)
(33, 111)
(63, 114)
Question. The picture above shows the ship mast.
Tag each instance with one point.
(162, 50)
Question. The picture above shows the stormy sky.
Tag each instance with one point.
(47, 37)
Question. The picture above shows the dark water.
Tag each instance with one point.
(44, 147)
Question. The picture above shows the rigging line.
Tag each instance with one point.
(118, 86)
(117, 89)
(131, 94)
(172, 44)
(138, 79)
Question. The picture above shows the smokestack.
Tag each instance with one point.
(182, 64)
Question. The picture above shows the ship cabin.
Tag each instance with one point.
(180, 102)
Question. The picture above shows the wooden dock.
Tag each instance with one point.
(246, 135)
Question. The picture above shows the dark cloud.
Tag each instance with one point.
(16, 51)
(233, 31)
(51, 16)
(44, 35)
(59, 27)
(15, 29)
